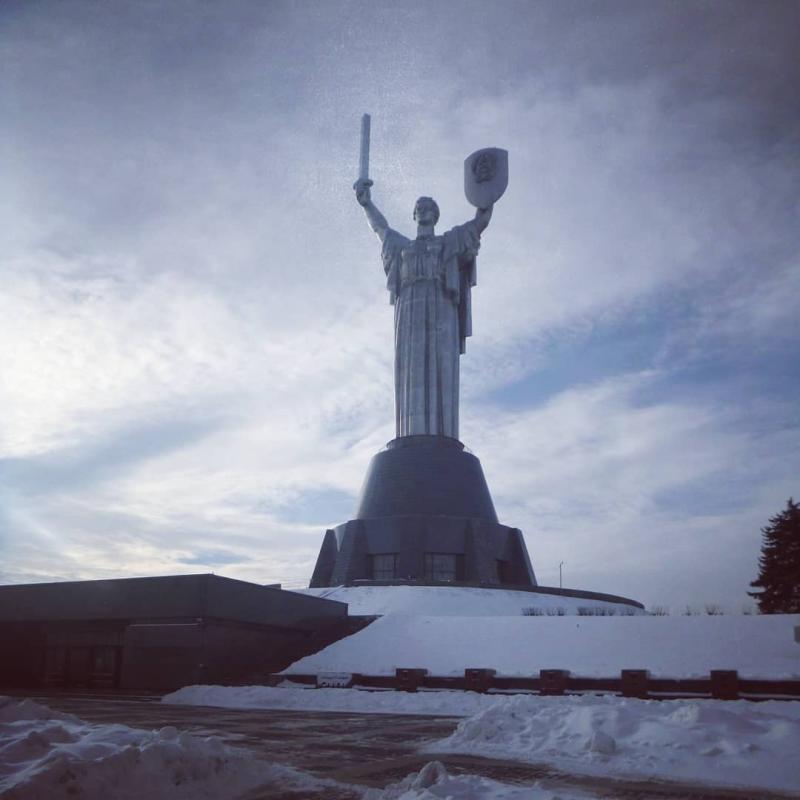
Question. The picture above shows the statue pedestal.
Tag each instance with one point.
(425, 515)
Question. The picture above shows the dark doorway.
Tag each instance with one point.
(78, 666)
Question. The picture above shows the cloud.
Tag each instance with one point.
(197, 342)
(638, 495)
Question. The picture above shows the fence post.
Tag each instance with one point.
(634, 682)
(409, 679)
(553, 681)
(725, 684)
(478, 680)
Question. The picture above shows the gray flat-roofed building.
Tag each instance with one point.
(157, 633)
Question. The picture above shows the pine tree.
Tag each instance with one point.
(779, 564)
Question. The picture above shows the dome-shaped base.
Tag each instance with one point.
(425, 514)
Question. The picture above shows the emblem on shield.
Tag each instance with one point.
(486, 176)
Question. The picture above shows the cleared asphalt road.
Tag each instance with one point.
(354, 750)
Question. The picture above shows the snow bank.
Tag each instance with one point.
(720, 743)
(456, 601)
(433, 782)
(293, 698)
(47, 755)
(757, 646)
(709, 741)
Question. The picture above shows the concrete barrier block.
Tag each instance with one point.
(553, 681)
(634, 682)
(724, 684)
(409, 678)
(479, 679)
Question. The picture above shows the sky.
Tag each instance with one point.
(196, 339)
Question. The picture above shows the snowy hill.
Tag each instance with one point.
(459, 601)
(757, 646)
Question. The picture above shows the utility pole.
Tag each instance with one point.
(560, 564)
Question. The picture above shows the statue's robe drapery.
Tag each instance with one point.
(429, 281)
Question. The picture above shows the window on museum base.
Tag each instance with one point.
(383, 566)
(444, 567)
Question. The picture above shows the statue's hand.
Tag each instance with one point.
(363, 195)
(482, 217)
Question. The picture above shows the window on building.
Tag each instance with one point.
(443, 566)
(384, 566)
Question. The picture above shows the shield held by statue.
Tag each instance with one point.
(486, 176)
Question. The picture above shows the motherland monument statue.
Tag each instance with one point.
(429, 279)
(425, 514)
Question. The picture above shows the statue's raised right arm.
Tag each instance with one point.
(482, 217)
(376, 220)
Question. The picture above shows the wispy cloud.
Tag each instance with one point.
(196, 340)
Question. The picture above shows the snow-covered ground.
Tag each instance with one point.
(705, 741)
(433, 782)
(757, 646)
(307, 698)
(700, 741)
(48, 755)
(723, 743)
(458, 601)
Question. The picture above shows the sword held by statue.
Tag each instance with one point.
(363, 162)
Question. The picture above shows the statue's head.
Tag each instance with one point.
(426, 212)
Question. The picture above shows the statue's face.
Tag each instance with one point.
(425, 211)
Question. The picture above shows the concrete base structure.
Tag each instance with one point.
(457, 599)
(425, 514)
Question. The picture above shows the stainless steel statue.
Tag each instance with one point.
(425, 514)
(429, 280)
